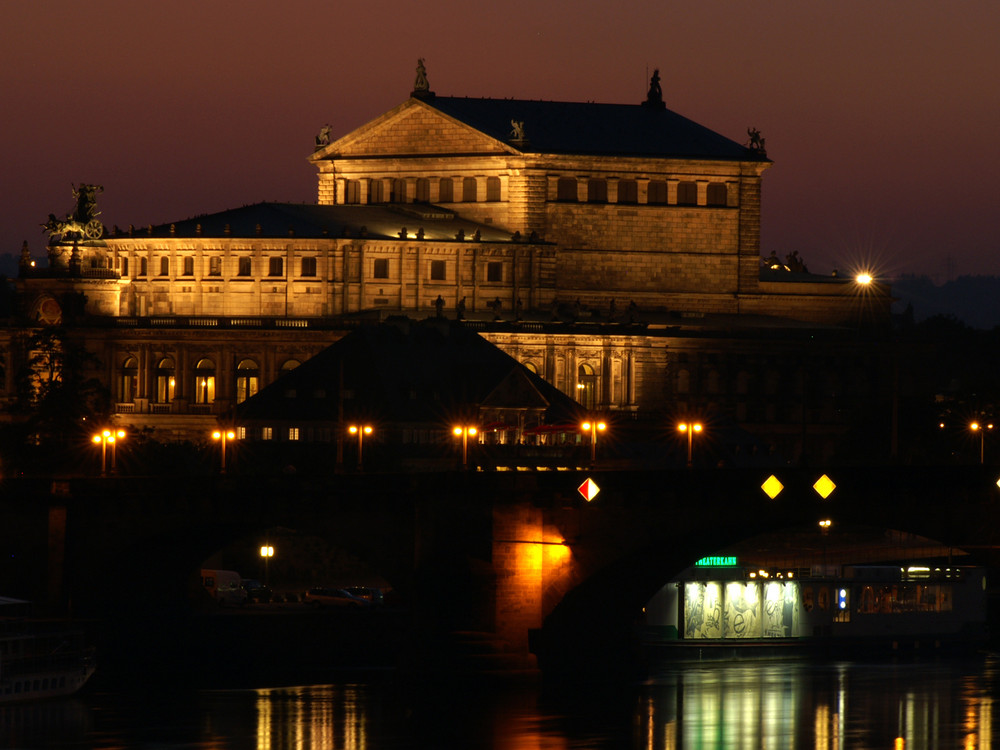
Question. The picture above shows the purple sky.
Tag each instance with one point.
(882, 118)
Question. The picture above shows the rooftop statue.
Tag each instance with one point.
(421, 83)
(421, 89)
(756, 142)
(83, 222)
(323, 139)
(517, 130)
(654, 98)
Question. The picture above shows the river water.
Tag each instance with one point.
(912, 705)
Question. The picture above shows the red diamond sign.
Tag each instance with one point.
(588, 489)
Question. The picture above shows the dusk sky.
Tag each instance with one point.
(882, 118)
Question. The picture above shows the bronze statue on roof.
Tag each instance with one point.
(654, 98)
(421, 88)
(756, 142)
(83, 222)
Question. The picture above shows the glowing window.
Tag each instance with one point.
(127, 380)
(166, 382)
(247, 380)
(204, 381)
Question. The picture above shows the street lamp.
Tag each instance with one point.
(690, 428)
(222, 436)
(106, 438)
(267, 552)
(360, 431)
(465, 431)
(593, 427)
(981, 429)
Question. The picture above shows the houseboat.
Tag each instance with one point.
(721, 610)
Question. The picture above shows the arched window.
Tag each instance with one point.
(687, 194)
(656, 193)
(166, 383)
(128, 379)
(423, 194)
(492, 189)
(469, 190)
(566, 189)
(586, 386)
(628, 191)
(247, 380)
(717, 195)
(531, 367)
(597, 191)
(204, 381)
(446, 190)
(290, 364)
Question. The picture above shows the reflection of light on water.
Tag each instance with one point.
(321, 717)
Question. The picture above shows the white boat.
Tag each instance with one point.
(40, 658)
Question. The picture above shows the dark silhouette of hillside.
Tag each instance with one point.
(974, 300)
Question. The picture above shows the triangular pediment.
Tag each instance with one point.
(412, 128)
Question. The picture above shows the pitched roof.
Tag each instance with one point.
(404, 371)
(310, 220)
(590, 128)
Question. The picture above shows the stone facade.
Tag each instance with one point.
(594, 263)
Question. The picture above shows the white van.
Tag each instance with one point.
(224, 585)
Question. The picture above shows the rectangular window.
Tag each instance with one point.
(423, 194)
(687, 194)
(353, 192)
(628, 191)
(657, 192)
(142, 267)
(380, 268)
(244, 268)
(446, 190)
(469, 190)
(492, 188)
(124, 267)
(215, 266)
(375, 192)
(164, 266)
(494, 271)
(266, 433)
(187, 266)
(241, 433)
(293, 433)
(597, 191)
(437, 270)
(275, 266)
(308, 266)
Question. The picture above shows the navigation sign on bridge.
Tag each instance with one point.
(588, 489)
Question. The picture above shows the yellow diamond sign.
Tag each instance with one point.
(824, 486)
(772, 487)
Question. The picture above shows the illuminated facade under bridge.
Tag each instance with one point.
(730, 603)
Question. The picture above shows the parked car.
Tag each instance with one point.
(370, 594)
(256, 591)
(326, 597)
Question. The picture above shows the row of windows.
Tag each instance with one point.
(469, 190)
(203, 380)
(717, 193)
(438, 270)
(244, 266)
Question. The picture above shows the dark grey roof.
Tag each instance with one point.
(405, 372)
(589, 128)
(311, 220)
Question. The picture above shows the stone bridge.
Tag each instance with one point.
(521, 555)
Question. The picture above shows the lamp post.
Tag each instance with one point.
(360, 431)
(106, 438)
(222, 436)
(465, 431)
(690, 428)
(981, 429)
(593, 426)
(267, 552)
